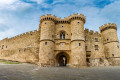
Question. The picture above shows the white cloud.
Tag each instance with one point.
(38, 1)
(13, 4)
(7, 1)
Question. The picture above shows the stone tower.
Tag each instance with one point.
(78, 53)
(111, 42)
(47, 32)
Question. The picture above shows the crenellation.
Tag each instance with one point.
(59, 20)
(91, 32)
(96, 33)
(86, 31)
(108, 26)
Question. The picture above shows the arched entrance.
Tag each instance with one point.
(62, 59)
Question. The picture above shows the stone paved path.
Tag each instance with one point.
(33, 72)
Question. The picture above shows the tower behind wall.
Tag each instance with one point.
(111, 43)
(46, 52)
(78, 54)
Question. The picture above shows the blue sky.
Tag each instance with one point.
(19, 16)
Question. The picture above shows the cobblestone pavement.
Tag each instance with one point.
(33, 72)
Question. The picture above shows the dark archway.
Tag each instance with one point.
(62, 59)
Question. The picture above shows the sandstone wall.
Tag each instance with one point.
(96, 57)
(22, 48)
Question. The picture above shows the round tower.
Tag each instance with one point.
(78, 53)
(47, 31)
(110, 41)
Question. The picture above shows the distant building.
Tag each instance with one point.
(64, 42)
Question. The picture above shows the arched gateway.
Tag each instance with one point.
(62, 59)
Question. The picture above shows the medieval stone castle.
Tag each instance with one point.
(64, 42)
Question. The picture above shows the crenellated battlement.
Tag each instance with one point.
(77, 16)
(86, 31)
(30, 33)
(65, 20)
(108, 26)
(47, 17)
(91, 32)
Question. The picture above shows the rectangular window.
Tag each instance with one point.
(45, 43)
(96, 47)
(96, 39)
(79, 44)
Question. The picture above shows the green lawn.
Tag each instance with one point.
(9, 62)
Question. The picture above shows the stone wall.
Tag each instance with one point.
(22, 48)
(94, 55)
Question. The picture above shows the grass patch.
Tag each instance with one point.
(9, 62)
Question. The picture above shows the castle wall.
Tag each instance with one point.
(94, 55)
(22, 48)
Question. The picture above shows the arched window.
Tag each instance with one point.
(62, 35)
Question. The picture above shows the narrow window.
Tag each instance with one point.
(62, 35)
(45, 43)
(96, 47)
(71, 34)
(19, 50)
(79, 44)
(45, 22)
(6, 46)
(85, 38)
(96, 39)
(87, 59)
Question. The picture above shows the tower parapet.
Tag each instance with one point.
(65, 20)
(77, 16)
(108, 26)
(48, 17)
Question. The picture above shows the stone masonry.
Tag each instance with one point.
(64, 42)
